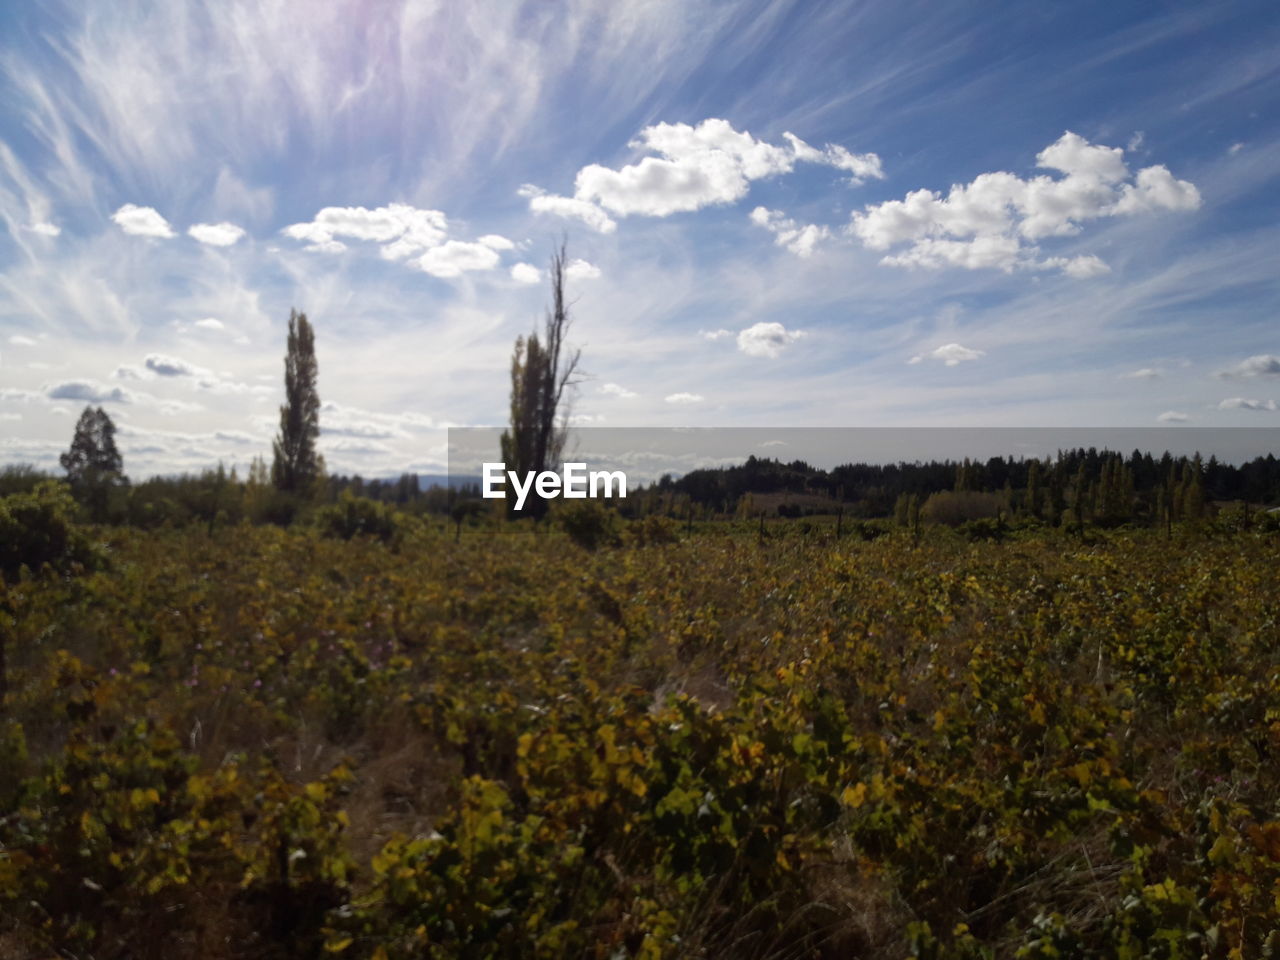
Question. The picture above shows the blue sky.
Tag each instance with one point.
(802, 214)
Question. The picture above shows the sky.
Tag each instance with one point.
(805, 214)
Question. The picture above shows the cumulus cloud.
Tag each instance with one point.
(216, 234)
(1240, 403)
(1261, 365)
(1172, 416)
(403, 230)
(614, 390)
(1146, 373)
(88, 391)
(689, 167)
(952, 354)
(581, 270)
(995, 221)
(210, 323)
(415, 235)
(45, 229)
(525, 273)
(766, 339)
(568, 207)
(799, 239)
(683, 399)
(18, 340)
(142, 222)
(453, 258)
(166, 366)
(715, 334)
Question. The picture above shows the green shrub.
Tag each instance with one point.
(354, 516)
(651, 529)
(985, 529)
(589, 524)
(954, 507)
(37, 528)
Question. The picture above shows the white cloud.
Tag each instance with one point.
(766, 339)
(18, 340)
(715, 334)
(525, 273)
(1240, 403)
(216, 234)
(1146, 373)
(952, 354)
(589, 213)
(142, 222)
(681, 399)
(1262, 365)
(10, 416)
(581, 270)
(405, 230)
(690, 168)
(127, 371)
(1081, 268)
(451, 259)
(614, 390)
(210, 323)
(994, 221)
(495, 242)
(1172, 416)
(45, 229)
(799, 239)
(1235, 148)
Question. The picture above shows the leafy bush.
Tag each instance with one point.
(37, 528)
(985, 529)
(954, 507)
(652, 529)
(354, 516)
(589, 524)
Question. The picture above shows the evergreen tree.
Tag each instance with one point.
(542, 370)
(1035, 490)
(296, 466)
(93, 464)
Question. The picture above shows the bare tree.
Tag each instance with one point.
(542, 371)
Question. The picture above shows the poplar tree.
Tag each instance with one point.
(542, 370)
(296, 465)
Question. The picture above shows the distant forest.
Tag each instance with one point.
(1107, 484)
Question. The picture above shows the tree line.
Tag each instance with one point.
(1102, 486)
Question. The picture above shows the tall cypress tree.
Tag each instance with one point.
(296, 465)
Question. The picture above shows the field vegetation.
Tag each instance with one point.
(380, 733)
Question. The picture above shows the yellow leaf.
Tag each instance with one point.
(854, 796)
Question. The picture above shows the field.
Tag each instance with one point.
(255, 742)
